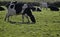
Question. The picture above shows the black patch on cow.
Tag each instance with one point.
(33, 8)
(27, 11)
(18, 8)
(11, 6)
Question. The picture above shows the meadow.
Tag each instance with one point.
(47, 25)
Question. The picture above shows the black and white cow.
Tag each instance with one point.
(53, 8)
(15, 8)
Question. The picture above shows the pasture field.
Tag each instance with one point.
(47, 25)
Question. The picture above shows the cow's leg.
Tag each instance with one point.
(7, 17)
(22, 18)
(31, 17)
(27, 18)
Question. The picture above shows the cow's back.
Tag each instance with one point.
(18, 7)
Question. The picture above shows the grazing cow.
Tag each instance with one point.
(1, 8)
(53, 8)
(15, 8)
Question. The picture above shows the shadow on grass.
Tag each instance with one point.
(13, 22)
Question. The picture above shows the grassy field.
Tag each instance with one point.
(47, 25)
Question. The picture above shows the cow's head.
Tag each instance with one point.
(12, 4)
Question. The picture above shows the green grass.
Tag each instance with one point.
(47, 25)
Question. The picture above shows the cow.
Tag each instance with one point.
(15, 8)
(53, 8)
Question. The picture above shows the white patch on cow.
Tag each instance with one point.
(24, 7)
(11, 11)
